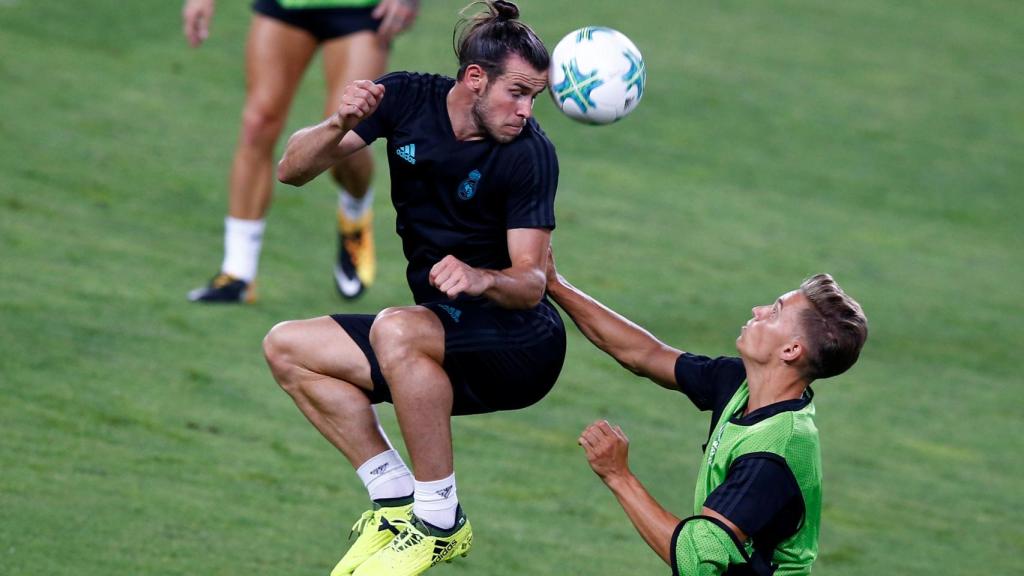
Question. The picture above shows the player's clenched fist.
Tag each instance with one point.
(358, 101)
(453, 277)
(607, 449)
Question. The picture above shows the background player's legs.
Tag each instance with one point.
(276, 56)
(409, 344)
(357, 56)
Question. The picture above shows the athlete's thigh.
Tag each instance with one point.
(499, 359)
(357, 56)
(323, 346)
(276, 55)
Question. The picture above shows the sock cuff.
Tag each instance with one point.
(239, 225)
(353, 207)
(380, 465)
(440, 492)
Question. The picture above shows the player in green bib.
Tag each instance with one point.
(757, 503)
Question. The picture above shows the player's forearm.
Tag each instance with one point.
(614, 334)
(651, 520)
(515, 287)
(310, 152)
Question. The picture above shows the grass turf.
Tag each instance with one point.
(881, 142)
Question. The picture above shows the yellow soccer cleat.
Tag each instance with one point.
(356, 267)
(376, 528)
(419, 547)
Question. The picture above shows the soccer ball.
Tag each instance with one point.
(597, 75)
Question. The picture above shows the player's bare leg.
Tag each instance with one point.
(409, 344)
(325, 373)
(317, 363)
(358, 56)
(276, 56)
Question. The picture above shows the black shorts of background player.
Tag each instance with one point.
(473, 184)
(355, 37)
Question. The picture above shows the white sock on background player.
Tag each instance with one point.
(353, 207)
(436, 502)
(243, 240)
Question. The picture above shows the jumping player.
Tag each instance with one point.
(283, 36)
(473, 184)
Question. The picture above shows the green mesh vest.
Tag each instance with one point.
(791, 435)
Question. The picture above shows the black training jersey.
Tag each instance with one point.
(760, 495)
(453, 197)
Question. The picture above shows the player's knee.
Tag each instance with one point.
(278, 348)
(390, 328)
(260, 126)
(396, 333)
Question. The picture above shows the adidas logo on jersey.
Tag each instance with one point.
(407, 153)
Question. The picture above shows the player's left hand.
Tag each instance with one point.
(453, 277)
(551, 276)
(195, 18)
(396, 16)
(607, 449)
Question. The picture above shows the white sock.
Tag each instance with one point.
(386, 476)
(436, 502)
(243, 240)
(353, 207)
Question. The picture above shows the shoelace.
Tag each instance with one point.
(360, 524)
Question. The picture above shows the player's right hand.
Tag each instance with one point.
(359, 100)
(195, 18)
(607, 449)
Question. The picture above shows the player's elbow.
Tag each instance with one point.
(287, 174)
(536, 288)
(635, 359)
(629, 362)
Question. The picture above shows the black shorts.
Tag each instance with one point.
(497, 359)
(323, 23)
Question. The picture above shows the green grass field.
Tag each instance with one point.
(880, 141)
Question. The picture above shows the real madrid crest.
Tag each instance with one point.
(467, 188)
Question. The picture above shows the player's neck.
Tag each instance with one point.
(769, 384)
(460, 114)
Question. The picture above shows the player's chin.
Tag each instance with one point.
(507, 134)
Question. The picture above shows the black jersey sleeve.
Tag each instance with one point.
(709, 382)
(532, 182)
(761, 497)
(398, 93)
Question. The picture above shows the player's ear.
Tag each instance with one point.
(475, 78)
(792, 352)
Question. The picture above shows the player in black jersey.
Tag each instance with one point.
(473, 184)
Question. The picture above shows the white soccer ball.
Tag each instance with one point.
(597, 75)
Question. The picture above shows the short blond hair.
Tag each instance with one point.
(834, 326)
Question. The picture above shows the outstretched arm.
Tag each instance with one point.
(631, 345)
(521, 285)
(312, 150)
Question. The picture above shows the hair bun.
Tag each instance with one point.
(505, 10)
